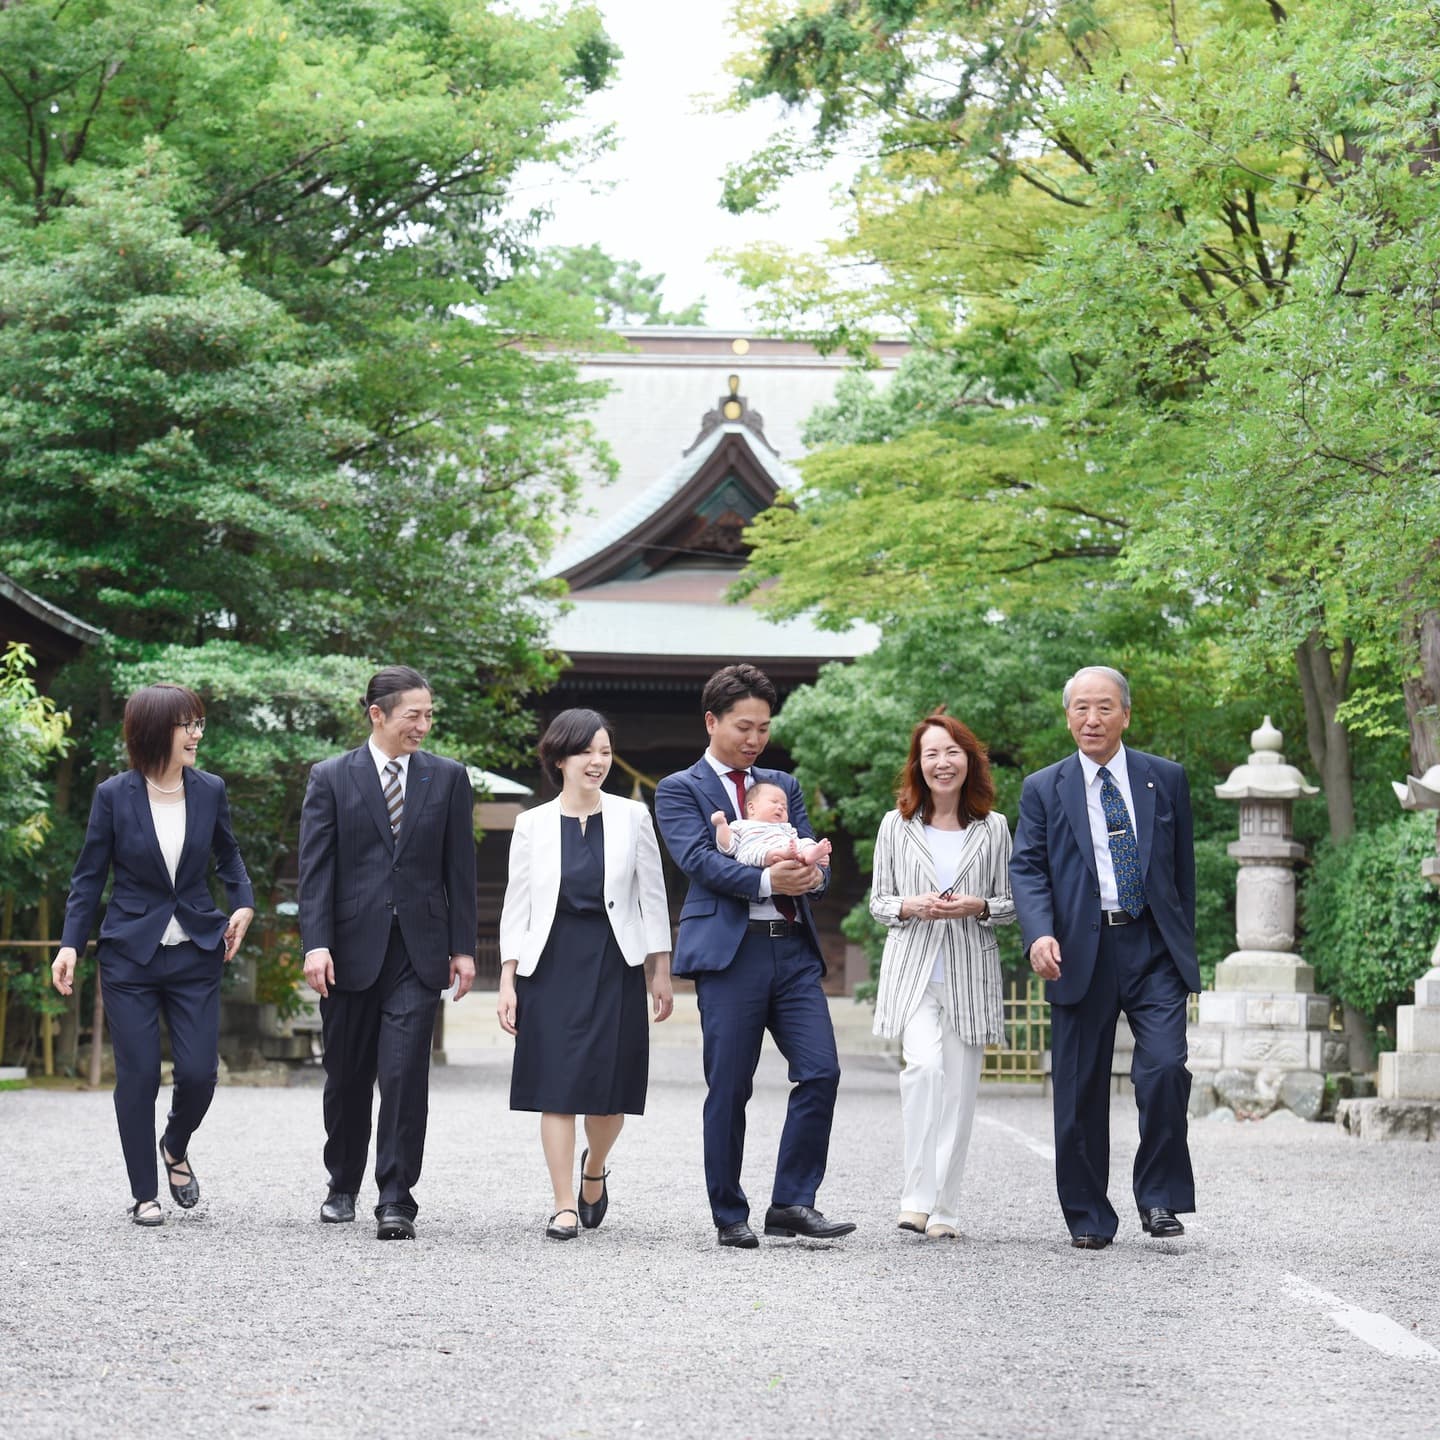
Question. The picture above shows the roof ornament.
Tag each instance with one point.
(731, 409)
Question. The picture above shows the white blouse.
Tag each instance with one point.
(170, 832)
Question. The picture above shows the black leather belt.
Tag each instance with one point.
(1121, 917)
(775, 929)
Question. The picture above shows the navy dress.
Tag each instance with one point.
(582, 1041)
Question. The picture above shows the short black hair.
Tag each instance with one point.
(388, 685)
(151, 715)
(734, 683)
(760, 785)
(570, 733)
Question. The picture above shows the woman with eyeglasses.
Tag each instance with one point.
(163, 943)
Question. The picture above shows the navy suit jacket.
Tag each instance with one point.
(121, 836)
(717, 905)
(1053, 876)
(355, 877)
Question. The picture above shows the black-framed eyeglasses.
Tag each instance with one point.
(191, 727)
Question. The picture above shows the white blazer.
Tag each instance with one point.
(635, 901)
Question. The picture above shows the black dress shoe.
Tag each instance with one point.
(338, 1209)
(392, 1223)
(738, 1236)
(792, 1220)
(1159, 1222)
(186, 1194)
(1090, 1242)
(592, 1215)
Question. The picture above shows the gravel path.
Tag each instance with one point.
(246, 1318)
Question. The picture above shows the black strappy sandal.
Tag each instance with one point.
(187, 1194)
(149, 1218)
(591, 1214)
(562, 1232)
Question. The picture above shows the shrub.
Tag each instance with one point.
(1370, 920)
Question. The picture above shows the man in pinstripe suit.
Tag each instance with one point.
(387, 919)
(1103, 876)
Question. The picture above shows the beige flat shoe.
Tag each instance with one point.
(942, 1232)
(913, 1221)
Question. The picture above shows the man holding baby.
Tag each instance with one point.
(748, 941)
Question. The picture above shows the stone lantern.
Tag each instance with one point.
(1408, 1103)
(1263, 1037)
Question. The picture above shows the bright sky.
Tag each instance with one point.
(655, 198)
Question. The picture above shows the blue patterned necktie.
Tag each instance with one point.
(1124, 852)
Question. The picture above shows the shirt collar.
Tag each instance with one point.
(381, 759)
(1116, 765)
(720, 767)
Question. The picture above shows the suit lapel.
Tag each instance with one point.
(713, 787)
(1071, 785)
(419, 782)
(616, 838)
(913, 838)
(197, 798)
(140, 803)
(366, 780)
(1142, 791)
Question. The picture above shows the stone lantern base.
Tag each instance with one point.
(1408, 1104)
(1254, 1049)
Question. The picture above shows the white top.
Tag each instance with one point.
(764, 908)
(945, 847)
(381, 760)
(170, 832)
(1099, 830)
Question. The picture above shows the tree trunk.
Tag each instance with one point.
(1324, 684)
(1422, 691)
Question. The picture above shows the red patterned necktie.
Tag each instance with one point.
(783, 903)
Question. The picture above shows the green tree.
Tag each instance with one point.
(622, 295)
(32, 737)
(282, 394)
(1193, 242)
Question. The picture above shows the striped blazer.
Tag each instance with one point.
(904, 866)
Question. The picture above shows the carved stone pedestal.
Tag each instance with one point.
(1408, 1104)
(1263, 1038)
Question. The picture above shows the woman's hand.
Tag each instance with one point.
(921, 907)
(62, 969)
(505, 1005)
(662, 995)
(235, 931)
(959, 907)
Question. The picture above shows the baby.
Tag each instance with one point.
(765, 836)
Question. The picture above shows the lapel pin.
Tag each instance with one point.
(1149, 784)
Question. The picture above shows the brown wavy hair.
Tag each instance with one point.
(977, 794)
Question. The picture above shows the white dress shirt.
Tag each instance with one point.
(764, 908)
(1099, 830)
(381, 760)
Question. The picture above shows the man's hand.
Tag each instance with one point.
(319, 972)
(792, 877)
(1045, 957)
(62, 969)
(462, 974)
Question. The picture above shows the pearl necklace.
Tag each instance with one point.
(161, 790)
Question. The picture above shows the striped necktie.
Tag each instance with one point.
(394, 796)
(1124, 852)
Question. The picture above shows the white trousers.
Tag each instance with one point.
(938, 1089)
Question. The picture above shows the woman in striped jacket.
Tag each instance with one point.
(941, 884)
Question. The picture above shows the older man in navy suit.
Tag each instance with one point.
(747, 939)
(1103, 874)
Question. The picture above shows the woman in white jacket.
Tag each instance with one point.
(584, 909)
(941, 884)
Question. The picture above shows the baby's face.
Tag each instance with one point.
(767, 804)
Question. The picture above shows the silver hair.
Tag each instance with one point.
(1113, 675)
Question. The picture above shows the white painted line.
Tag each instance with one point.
(1374, 1329)
(1036, 1147)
